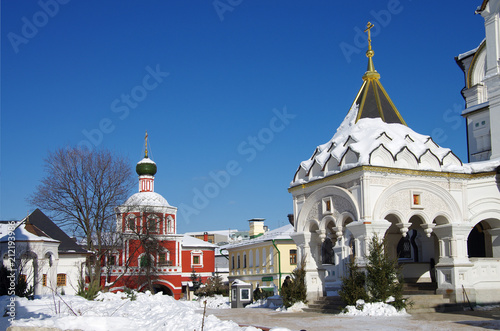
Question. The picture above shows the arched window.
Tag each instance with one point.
(170, 224)
(250, 259)
(131, 223)
(257, 258)
(264, 256)
(153, 223)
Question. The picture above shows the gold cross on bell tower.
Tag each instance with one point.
(370, 52)
(369, 26)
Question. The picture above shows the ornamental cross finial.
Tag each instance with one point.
(146, 143)
(368, 28)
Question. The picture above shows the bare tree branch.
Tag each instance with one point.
(80, 190)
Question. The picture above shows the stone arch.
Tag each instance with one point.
(477, 69)
(326, 221)
(346, 218)
(483, 240)
(159, 283)
(50, 257)
(441, 218)
(449, 206)
(328, 226)
(421, 215)
(311, 226)
(160, 288)
(343, 201)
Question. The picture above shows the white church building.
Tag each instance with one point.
(376, 176)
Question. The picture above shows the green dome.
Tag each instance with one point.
(146, 167)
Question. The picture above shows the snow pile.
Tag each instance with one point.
(487, 307)
(373, 309)
(295, 308)
(215, 302)
(115, 311)
(262, 303)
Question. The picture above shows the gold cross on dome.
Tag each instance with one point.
(369, 25)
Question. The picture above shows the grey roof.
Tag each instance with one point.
(42, 222)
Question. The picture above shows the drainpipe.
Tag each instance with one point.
(220, 251)
(279, 266)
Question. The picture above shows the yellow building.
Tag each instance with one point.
(265, 259)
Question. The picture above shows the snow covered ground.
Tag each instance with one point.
(115, 311)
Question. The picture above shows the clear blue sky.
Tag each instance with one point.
(202, 80)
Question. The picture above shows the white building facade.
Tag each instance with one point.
(43, 254)
(376, 176)
(482, 87)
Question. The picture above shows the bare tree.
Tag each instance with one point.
(80, 190)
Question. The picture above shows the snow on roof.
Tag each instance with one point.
(283, 232)
(150, 199)
(371, 141)
(472, 51)
(146, 160)
(21, 234)
(188, 241)
(221, 232)
(239, 282)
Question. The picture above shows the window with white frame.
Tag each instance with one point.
(164, 258)
(170, 224)
(250, 259)
(131, 223)
(327, 205)
(416, 199)
(153, 223)
(271, 253)
(197, 258)
(257, 258)
(264, 256)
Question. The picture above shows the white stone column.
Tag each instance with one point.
(313, 281)
(363, 231)
(492, 77)
(495, 241)
(454, 262)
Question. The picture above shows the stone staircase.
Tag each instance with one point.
(326, 305)
(422, 298)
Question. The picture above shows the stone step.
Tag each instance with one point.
(326, 305)
(322, 311)
(430, 303)
(419, 288)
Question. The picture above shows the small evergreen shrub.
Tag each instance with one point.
(353, 284)
(212, 287)
(131, 294)
(384, 278)
(296, 290)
